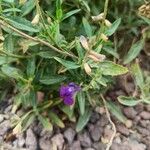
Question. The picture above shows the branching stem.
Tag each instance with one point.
(3, 23)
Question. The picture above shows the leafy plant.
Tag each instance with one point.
(64, 45)
(142, 87)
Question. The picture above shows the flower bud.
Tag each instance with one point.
(93, 58)
(84, 42)
(98, 17)
(87, 68)
(100, 57)
(107, 23)
(49, 20)
(104, 37)
(35, 20)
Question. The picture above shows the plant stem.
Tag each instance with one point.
(3, 23)
(105, 9)
(111, 122)
(13, 55)
(102, 28)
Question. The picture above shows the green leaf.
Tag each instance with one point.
(28, 121)
(11, 71)
(7, 60)
(22, 24)
(8, 1)
(87, 27)
(113, 27)
(70, 13)
(56, 120)
(103, 81)
(81, 102)
(67, 64)
(145, 19)
(85, 4)
(134, 51)
(9, 43)
(27, 7)
(79, 49)
(45, 122)
(47, 54)
(31, 67)
(110, 68)
(111, 51)
(53, 79)
(83, 120)
(68, 111)
(137, 73)
(59, 12)
(11, 10)
(146, 100)
(116, 111)
(128, 101)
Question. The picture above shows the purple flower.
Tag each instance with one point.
(67, 92)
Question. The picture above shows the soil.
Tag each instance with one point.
(95, 136)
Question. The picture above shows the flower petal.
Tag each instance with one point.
(68, 100)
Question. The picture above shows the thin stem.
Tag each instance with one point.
(105, 9)
(111, 122)
(103, 21)
(13, 55)
(36, 39)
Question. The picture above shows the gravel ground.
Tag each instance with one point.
(94, 137)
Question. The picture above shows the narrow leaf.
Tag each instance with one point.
(9, 43)
(45, 122)
(67, 64)
(27, 7)
(79, 49)
(68, 111)
(56, 120)
(110, 68)
(81, 102)
(87, 27)
(7, 60)
(59, 12)
(22, 24)
(47, 54)
(53, 80)
(83, 120)
(31, 67)
(70, 13)
(11, 71)
(116, 111)
(113, 27)
(11, 10)
(133, 52)
(138, 76)
(128, 101)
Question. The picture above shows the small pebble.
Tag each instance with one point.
(1, 118)
(58, 140)
(130, 112)
(96, 132)
(75, 146)
(129, 123)
(122, 129)
(84, 139)
(145, 115)
(31, 142)
(69, 135)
